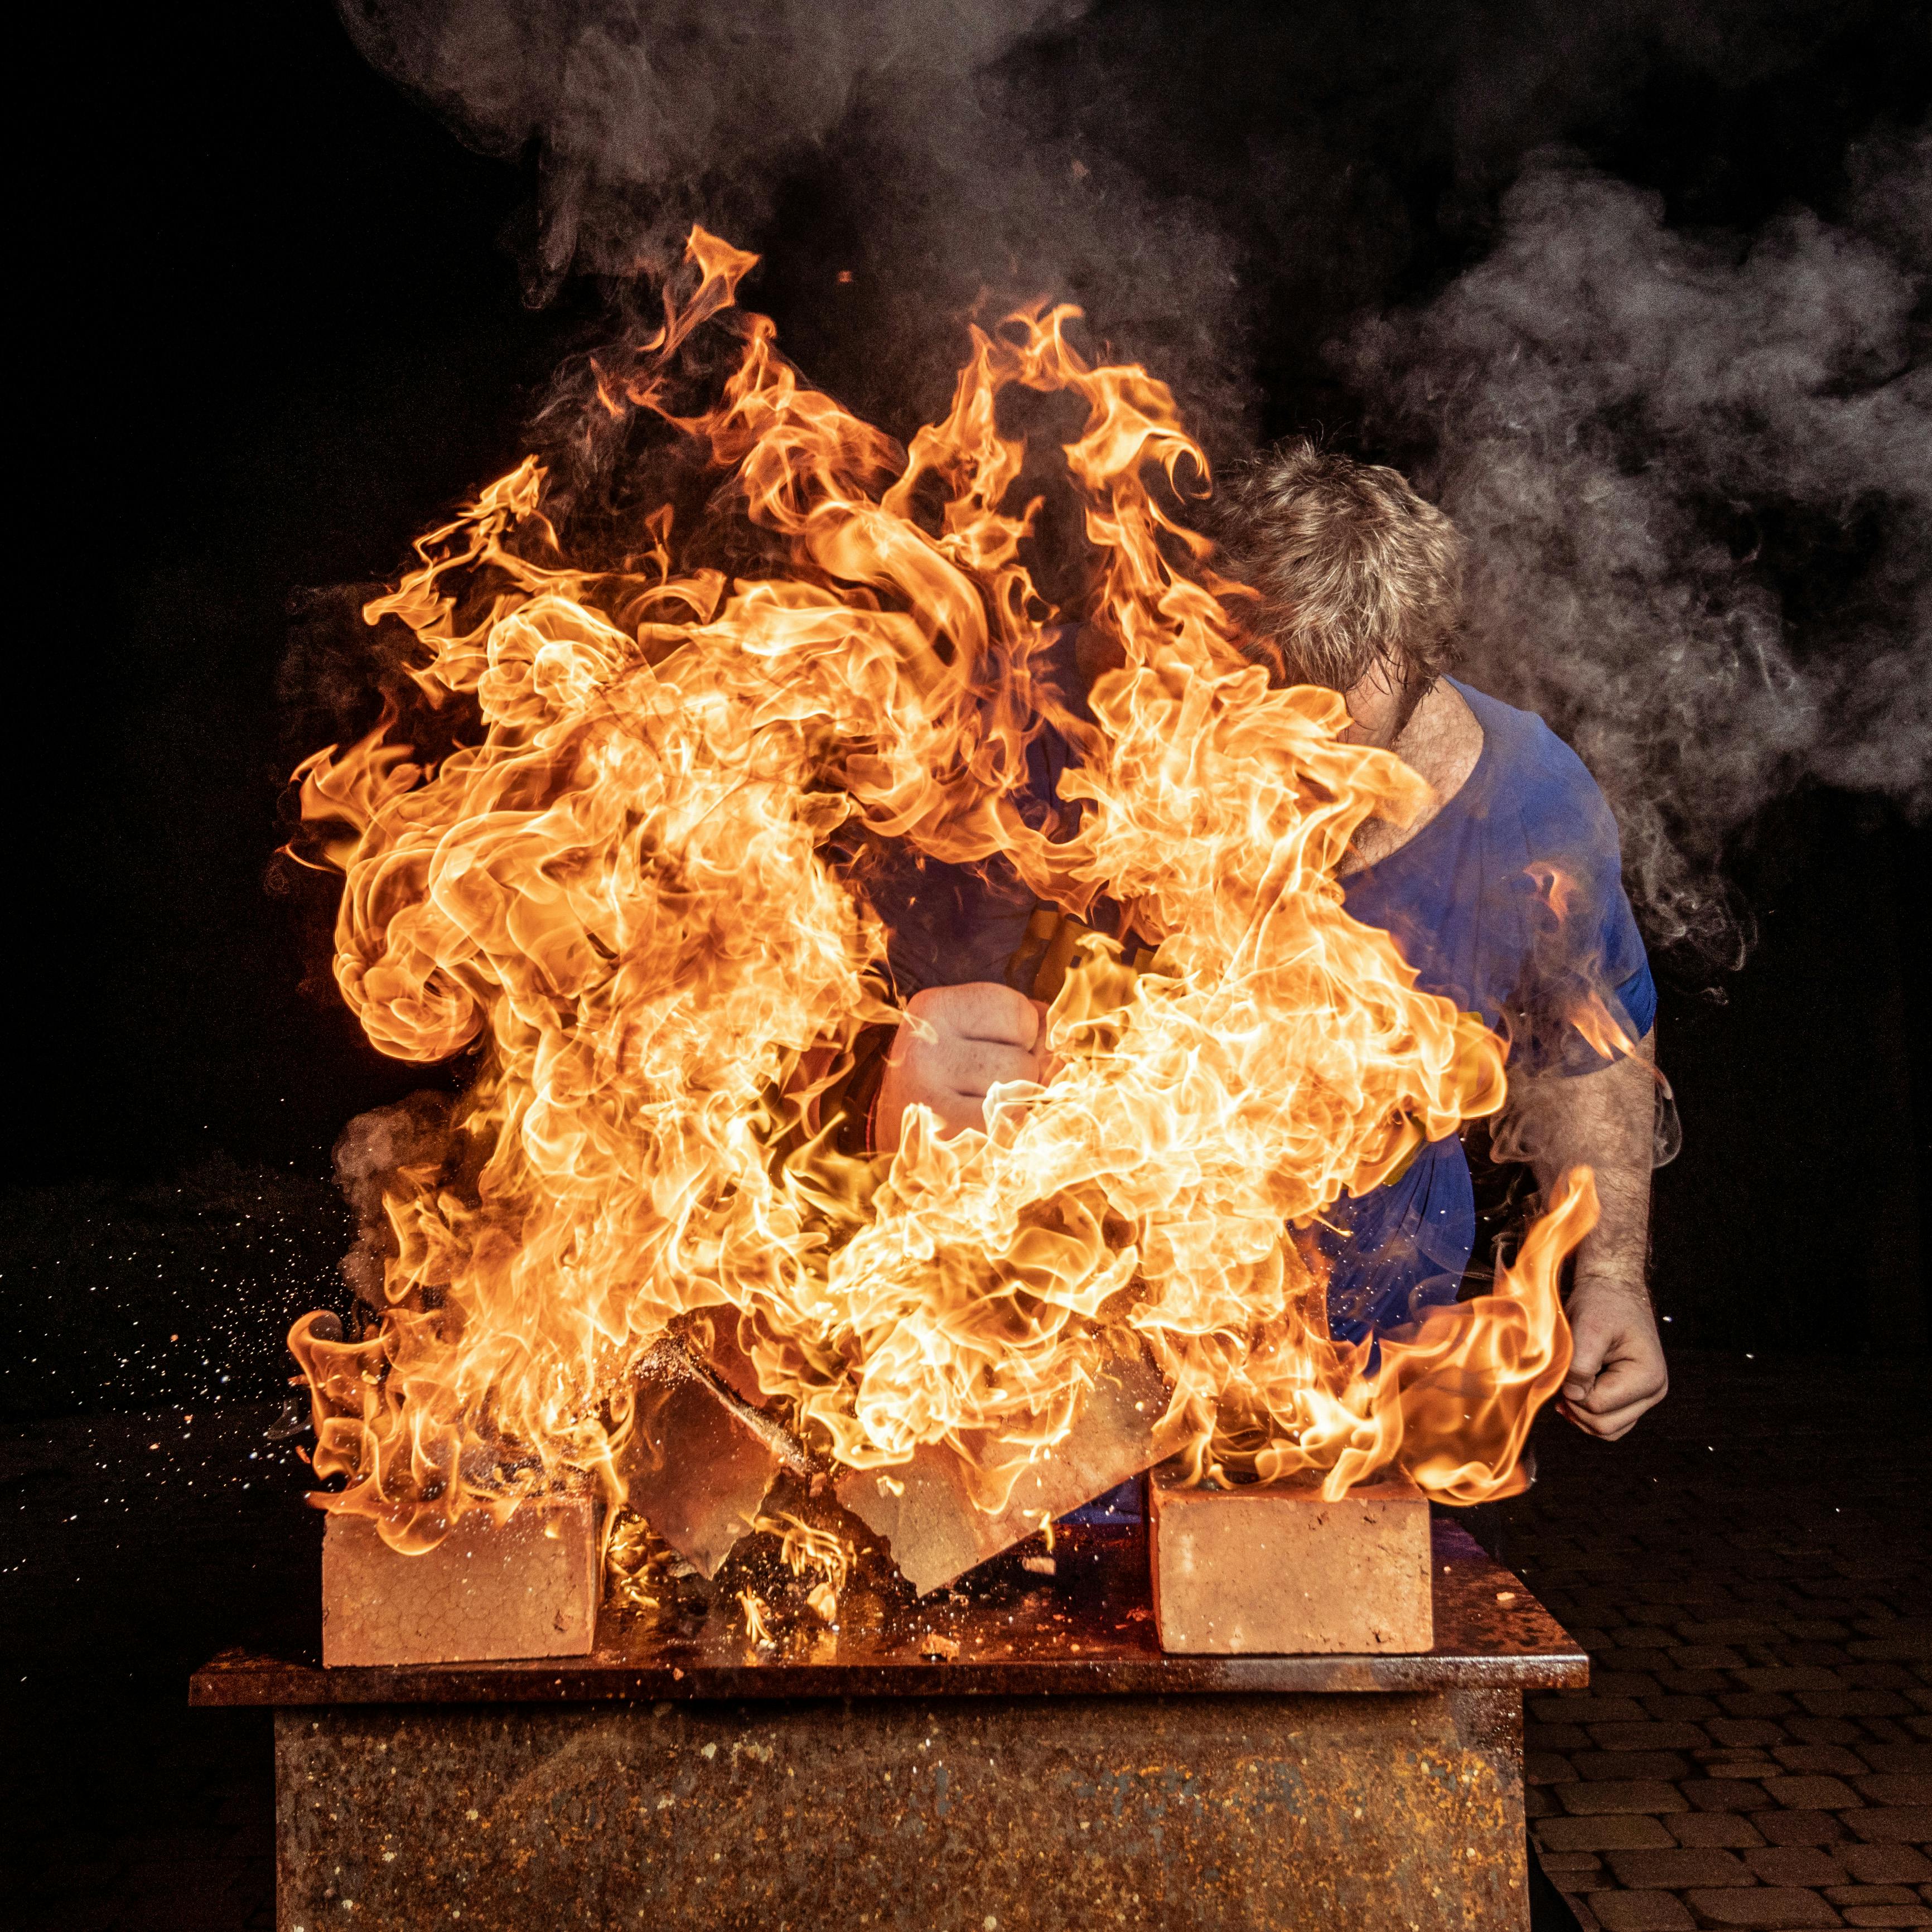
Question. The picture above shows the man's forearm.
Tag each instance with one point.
(1605, 1121)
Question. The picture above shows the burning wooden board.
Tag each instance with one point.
(525, 1587)
(1274, 1568)
(698, 1460)
(924, 1509)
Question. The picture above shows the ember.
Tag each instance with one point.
(631, 882)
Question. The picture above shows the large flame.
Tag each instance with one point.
(619, 888)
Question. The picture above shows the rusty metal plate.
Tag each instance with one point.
(1088, 1629)
(1315, 1812)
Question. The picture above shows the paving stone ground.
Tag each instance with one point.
(1751, 1572)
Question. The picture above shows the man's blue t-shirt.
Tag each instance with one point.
(1510, 902)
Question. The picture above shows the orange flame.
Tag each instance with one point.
(618, 890)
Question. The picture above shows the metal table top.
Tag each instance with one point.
(1087, 1630)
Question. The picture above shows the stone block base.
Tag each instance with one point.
(528, 1589)
(1274, 1569)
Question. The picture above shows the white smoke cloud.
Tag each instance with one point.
(1655, 441)
(1692, 467)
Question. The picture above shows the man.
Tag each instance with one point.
(1505, 894)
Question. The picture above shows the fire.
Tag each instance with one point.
(619, 891)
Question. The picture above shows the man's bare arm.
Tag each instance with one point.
(1607, 1121)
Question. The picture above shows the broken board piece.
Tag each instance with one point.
(697, 1461)
(524, 1588)
(923, 1509)
(1273, 1568)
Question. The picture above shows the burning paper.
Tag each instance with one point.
(623, 888)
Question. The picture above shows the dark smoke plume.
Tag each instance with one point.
(644, 115)
(1692, 467)
(1660, 446)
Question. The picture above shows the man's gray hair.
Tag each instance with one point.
(1348, 566)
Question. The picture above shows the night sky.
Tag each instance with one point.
(270, 329)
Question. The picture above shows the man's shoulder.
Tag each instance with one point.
(1533, 775)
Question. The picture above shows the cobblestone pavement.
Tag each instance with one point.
(1751, 1572)
(1748, 1570)
(136, 1547)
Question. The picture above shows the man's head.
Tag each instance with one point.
(1358, 581)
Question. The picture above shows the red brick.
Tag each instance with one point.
(1812, 1794)
(1854, 1703)
(1833, 1760)
(1743, 1733)
(1703, 1683)
(1828, 1657)
(1824, 1730)
(1880, 1676)
(1795, 1864)
(1887, 1864)
(1582, 1709)
(1613, 1831)
(527, 1587)
(1896, 1790)
(1600, 1765)
(924, 1509)
(1897, 1759)
(1787, 1677)
(1723, 1794)
(696, 1461)
(1640, 1912)
(1717, 1829)
(1571, 1869)
(1276, 1569)
(711, 1334)
(1763, 1703)
(1547, 1768)
(1781, 1906)
(1607, 1682)
(1884, 1731)
(1680, 1710)
(1555, 1737)
(1620, 1794)
(1842, 1895)
(1648, 1737)
(1893, 1825)
(1708, 1657)
(1738, 1764)
(1800, 1828)
(1888, 1915)
(1672, 1870)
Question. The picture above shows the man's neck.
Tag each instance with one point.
(1440, 743)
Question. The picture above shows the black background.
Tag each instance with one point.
(269, 329)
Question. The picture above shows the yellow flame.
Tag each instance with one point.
(805, 1546)
(756, 1629)
(618, 892)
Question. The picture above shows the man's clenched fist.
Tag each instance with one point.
(961, 1041)
(1617, 1370)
